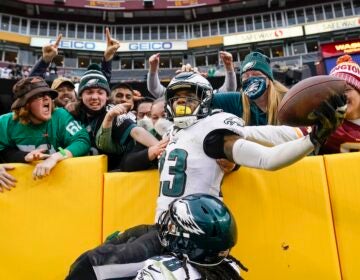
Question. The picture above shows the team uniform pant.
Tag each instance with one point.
(119, 258)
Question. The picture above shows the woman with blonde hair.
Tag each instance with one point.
(260, 93)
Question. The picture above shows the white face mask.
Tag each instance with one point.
(146, 123)
(162, 126)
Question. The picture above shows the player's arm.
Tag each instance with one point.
(271, 135)
(247, 153)
(327, 117)
(251, 154)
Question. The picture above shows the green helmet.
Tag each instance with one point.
(199, 227)
(194, 83)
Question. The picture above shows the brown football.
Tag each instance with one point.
(306, 96)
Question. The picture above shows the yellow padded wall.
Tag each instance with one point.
(46, 224)
(285, 228)
(129, 199)
(343, 171)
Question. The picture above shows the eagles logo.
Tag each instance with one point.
(234, 121)
(184, 217)
(248, 66)
(92, 82)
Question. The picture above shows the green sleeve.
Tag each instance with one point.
(229, 102)
(105, 142)
(75, 137)
(4, 138)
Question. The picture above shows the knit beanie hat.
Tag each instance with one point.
(93, 78)
(257, 61)
(348, 70)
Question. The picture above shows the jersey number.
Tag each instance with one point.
(73, 127)
(176, 187)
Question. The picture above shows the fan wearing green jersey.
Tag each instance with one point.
(36, 131)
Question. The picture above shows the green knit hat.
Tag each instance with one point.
(257, 61)
(93, 78)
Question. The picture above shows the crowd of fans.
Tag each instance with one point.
(14, 71)
(51, 124)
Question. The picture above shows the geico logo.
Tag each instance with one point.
(66, 44)
(150, 46)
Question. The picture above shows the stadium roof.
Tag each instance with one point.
(135, 11)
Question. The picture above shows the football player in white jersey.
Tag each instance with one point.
(198, 231)
(200, 135)
(188, 165)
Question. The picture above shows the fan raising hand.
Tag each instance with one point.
(49, 51)
(112, 46)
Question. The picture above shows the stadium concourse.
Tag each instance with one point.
(299, 222)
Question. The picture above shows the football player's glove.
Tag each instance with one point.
(327, 118)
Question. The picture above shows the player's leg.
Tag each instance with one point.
(81, 269)
(131, 233)
(122, 255)
(125, 259)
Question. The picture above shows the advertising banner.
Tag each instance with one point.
(91, 45)
(259, 36)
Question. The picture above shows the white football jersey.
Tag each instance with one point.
(170, 268)
(186, 169)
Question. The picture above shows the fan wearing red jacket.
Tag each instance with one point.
(346, 138)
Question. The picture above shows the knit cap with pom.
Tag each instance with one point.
(348, 70)
(93, 78)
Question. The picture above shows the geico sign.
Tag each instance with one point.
(68, 44)
(150, 46)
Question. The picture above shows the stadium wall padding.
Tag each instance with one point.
(129, 199)
(300, 222)
(343, 172)
(285, 228)
(45, 224)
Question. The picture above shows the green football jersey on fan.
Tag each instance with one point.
(61, 131)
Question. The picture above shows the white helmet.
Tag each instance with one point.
(197, 84)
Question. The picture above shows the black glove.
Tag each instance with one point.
(328, 117)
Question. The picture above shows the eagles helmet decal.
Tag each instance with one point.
(198, 226)
(184, 217)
